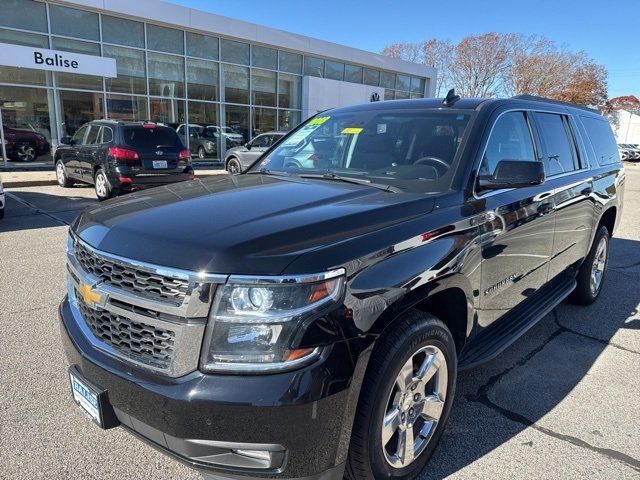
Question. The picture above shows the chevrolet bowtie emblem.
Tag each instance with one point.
(89, 296)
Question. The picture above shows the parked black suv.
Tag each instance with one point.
(119, 157)
(307, 319)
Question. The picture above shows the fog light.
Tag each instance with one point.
(263, 455)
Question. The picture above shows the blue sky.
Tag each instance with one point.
(608, 30)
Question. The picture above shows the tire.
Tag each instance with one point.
(25, 153)
(589, 281)
(102, 186)
(202, 154)
(233, 166)
(418, 338)
(61, 175)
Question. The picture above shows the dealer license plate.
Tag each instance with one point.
(159, 164)
(86, 398)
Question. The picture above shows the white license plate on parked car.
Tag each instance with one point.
(86, 398)
(159, 164)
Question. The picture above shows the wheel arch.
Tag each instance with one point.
(608, 219)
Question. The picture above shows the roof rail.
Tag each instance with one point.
(534, 98)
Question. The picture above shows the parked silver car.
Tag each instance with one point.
(238, 159)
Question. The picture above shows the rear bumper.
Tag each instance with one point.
(303, 417)
(128, 180)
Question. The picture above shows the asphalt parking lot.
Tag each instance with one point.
(562, 402)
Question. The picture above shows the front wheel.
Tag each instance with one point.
(102, 186)
(592, 272)
(61, 175)
(405, 400)
(202, 154)
(233, 166)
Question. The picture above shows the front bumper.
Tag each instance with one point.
(303, 417)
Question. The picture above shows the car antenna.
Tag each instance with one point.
(451, 98)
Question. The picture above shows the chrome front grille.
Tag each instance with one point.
(151, 316)
(128, 278)
(141, 342)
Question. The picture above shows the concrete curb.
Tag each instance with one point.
(24, 181)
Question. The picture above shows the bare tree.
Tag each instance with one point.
(411, 52)
(479, 65)
(440, 55)
(505, 64)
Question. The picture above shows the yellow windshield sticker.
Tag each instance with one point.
(318, 121)
(352, 131)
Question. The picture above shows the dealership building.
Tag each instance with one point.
(64, 63)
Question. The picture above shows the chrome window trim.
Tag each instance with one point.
(478, 160)
(284, 279)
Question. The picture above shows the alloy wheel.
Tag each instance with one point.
(101, 185)
(414, 406)
(60, 175)
(233, 167)
(26, 153)
(598, 267)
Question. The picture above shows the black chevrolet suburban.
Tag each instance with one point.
(307, 319)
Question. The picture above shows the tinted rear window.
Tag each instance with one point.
(602, 140)
(141, 137)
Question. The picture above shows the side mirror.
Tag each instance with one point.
(66, 141)
(247, 146)
(513, 174)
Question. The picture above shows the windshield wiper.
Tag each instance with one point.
(357, 181)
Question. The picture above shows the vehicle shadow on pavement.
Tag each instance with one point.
(28, 210)
(528, 385)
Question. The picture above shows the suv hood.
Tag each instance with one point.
(246, 224)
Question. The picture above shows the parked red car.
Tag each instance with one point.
(25, 145)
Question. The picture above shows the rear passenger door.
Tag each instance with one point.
(569, 175)
(71, 156)
(87, 152)
(519, 222)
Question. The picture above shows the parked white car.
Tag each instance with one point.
(1, 199)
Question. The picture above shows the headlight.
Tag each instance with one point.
(254, 321)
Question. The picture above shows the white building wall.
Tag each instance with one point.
(628, 130)
(319, 94)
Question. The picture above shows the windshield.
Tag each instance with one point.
(406, 149)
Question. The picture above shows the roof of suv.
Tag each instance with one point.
(465, 104)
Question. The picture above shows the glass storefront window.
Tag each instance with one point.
(236, 84)
(202, 46)
(168, 111)
(202, 78)
(264, 120)
(234, 52)
(371, 77)
(290, 62)
(264, 57)
(263, 87)
(353, 73)
(205, 142)
(165, 39)
(166, 75)
(29, 124)
(27, 15)
(126, 107)
(288, 120)
(237, 123)
(417, 95)
(314, 66)
(389, 94)
(387, 80)
(131, 70)
(24, 75)
(403, 83)
(289, 91)
(78, 108)
(72, 22)
(334, 70)
(74, 80)
(417, 85)
(402, 95)
(122, 32)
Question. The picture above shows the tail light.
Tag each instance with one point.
(123, 154)
(184, 155)
(149, 125)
